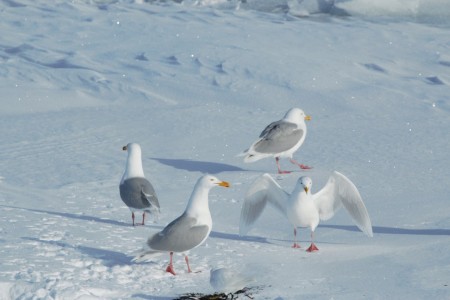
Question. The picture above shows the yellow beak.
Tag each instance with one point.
(306, 189)
(124, 148)
(307, 118)
(224, 184)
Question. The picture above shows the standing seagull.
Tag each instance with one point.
(280, 139)
(302, 208)
(189, 230)
(136, 191)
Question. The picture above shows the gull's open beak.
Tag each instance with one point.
(306, 189)
(307, 118)
(224, 184)
(124, 148)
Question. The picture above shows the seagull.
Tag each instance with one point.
(189, 230)
(302, 208)
(280, 139)
(225, 280)
(135, 190)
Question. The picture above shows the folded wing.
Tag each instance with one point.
(148, 195)
(278, 137)
(264, 190)
(181, 235)
(340, 191)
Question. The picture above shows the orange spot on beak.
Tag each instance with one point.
(224, 184)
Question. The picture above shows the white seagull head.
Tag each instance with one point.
(211, 181)
(305, 183)
(296, 115)
(132, 148)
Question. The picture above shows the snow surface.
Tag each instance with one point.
(195, 83)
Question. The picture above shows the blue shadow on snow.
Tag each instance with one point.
(77, 216)
(198, 166)
(392, 230)
(236, 237)
(110, 258)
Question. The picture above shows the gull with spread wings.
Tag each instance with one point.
(302, 208)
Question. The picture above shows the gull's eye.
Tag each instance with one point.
(211, 179)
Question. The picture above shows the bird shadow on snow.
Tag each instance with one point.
(392, 230)
(110, 258)
(75, 216)
(236, 237)
(376, 230)
(198, 166)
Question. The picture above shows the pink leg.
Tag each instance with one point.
(132, 217)
(187, 263)
(313, 247)
(143, 218)
(277, 159)
(296, 245)
(302, 166)
(170, 266)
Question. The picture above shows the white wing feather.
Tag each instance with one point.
(340, 191)
(263, 190)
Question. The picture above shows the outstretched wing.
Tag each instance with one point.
(262, 191)
(340, 191)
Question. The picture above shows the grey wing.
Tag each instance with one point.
(340, 191)
(264, 190)
(278, 137)
(138, 193)
(148, 193)
(269, 128)
(180, 235)
(130, 192)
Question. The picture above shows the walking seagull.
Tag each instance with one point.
(280, 139)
